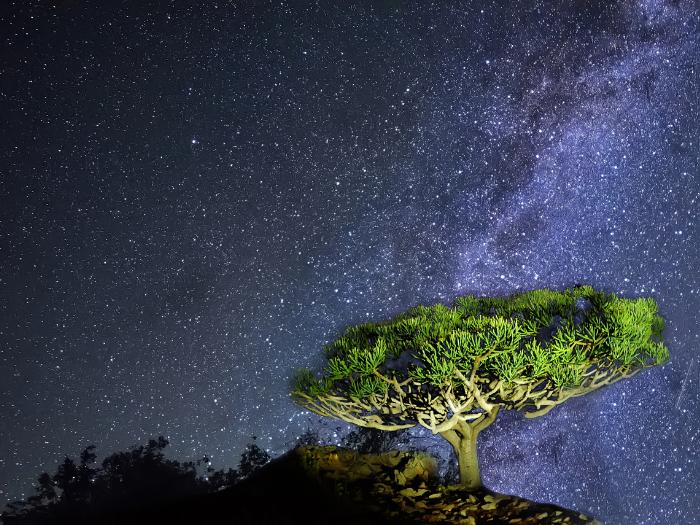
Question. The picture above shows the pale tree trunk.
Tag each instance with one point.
(463, 438)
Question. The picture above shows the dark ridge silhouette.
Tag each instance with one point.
(126, 484)
(313, 485)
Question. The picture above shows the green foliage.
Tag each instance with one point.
(305, 382)
(364, 386)
(467, 306)
(535, 335)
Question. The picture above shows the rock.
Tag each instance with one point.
(417, 467)
(412, 493)
(400, 478)
(404, 486)
(361, 471)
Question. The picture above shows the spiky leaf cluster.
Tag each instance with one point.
(543, 336)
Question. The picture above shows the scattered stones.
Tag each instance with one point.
(412, 493)
(405, 485)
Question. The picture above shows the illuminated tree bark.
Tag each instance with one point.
(463, 438)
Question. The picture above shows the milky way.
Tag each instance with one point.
(196, 199)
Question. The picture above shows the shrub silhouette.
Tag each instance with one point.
(367, 440)
(126, 481)
(253, 458)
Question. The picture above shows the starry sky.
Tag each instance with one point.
(196, 196)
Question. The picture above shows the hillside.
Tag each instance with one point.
(329, 485)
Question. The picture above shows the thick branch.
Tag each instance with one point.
(481, 425)
(598, 380)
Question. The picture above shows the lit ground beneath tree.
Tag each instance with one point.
(333, 485)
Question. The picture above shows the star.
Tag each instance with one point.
(196, 200)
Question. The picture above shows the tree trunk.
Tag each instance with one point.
(469, 474)
(463, 441)
(463, 438)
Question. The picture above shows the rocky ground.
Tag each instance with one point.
(402, 485)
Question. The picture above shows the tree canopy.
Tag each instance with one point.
(446, 367)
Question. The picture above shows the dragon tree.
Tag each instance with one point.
(451, 369)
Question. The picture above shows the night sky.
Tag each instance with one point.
(195, 198)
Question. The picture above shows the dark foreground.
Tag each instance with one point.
(327, 485)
